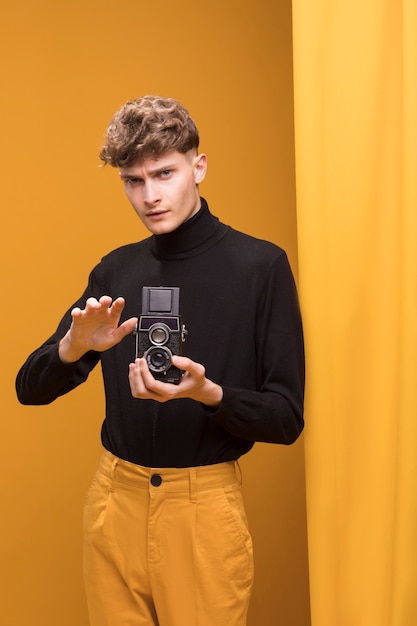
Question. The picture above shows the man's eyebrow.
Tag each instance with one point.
(152, 171)
(162, 168)
(129, 177)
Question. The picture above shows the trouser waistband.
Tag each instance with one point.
(198, 478)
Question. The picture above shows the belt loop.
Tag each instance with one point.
(193, 485)
(112, 471)
(238, 472)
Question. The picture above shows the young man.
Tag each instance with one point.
(166, 536)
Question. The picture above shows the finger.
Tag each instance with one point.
(105, 301)
(135, 379)
(117, 307)
(119, 302)
(128, 326)
(138, 385)
(150, 382)
(124, 329)
(184, 363)
(92, 303)
(157, 389)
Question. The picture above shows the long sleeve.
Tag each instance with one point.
(274, 411)
(44, 377)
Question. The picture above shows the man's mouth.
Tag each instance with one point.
(156, 213)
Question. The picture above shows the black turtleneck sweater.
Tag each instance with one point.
(239, 304)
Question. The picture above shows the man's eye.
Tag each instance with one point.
(165, 173)
(132, 181)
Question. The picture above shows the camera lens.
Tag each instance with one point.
(158, 334)
(158, 359)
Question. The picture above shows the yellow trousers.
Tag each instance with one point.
(166, 547)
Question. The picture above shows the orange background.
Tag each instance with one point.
(65, 69)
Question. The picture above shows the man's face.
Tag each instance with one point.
(164, 191)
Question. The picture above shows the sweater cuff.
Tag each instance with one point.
(221, 409)
(59, 364)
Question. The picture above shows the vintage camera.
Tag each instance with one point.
(160, 333)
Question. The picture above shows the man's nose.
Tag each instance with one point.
(151, 192)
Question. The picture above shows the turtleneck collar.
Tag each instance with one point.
(193, 237)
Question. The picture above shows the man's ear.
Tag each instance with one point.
(200, 168)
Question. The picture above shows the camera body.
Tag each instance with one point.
(160, 333)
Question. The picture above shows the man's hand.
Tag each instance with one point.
(194, 383)
(95, 328)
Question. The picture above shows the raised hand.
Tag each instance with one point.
(95, 328)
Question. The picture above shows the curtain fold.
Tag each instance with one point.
(355, 90)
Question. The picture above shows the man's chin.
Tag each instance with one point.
(161, 228)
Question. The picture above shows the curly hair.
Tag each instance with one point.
(148, 127)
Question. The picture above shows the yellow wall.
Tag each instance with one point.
(65, 68)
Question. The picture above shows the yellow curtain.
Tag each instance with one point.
(355, 81)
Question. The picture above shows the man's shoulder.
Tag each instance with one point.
(251, 246)
(126, 252)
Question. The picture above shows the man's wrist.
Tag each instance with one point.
(66, 351)
(212, 396)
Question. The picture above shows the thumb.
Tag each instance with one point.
(127, 327)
